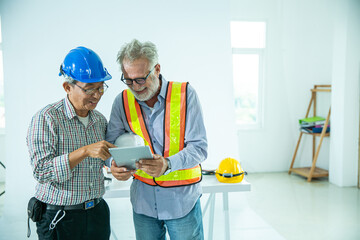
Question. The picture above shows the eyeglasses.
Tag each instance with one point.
(91, 91)
(140, 81)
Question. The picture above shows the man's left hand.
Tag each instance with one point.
(154, 167)
(121, 173)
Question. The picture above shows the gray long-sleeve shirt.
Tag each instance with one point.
(155, 201)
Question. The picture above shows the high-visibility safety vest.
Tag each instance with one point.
(174, 134)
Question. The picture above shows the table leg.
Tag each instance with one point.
(211, 217)
(113, 234)
(206, 206)
(226, 215)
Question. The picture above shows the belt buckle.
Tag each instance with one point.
(89, 204)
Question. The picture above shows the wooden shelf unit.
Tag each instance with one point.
(313, 171)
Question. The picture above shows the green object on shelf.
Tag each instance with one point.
(311, 119)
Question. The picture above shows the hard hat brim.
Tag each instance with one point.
(107, 77)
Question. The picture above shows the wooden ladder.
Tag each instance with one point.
(313, 171)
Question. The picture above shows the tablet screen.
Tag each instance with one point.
(128, 156)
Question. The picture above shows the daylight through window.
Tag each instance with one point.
(248, 42)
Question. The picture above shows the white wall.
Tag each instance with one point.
(307, 51)
(308, 42)
(321, 46)
(193, 41)
(345, 97)
(268, 148)
(2, 157)
(298, 56)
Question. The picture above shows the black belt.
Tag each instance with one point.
(84, 206)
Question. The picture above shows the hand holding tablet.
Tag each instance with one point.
(128, 156)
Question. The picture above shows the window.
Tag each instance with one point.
(248, 42)
(2, 105)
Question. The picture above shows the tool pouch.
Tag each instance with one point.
(35, 211)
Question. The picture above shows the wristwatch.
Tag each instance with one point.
(168, 170)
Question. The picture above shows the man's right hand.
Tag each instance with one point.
(96, 150)
(99, 150)
(121, 173)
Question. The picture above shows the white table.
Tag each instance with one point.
(120, 189)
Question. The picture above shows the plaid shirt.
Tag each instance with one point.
(54, 132)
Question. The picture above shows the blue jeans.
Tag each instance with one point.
(185, 228)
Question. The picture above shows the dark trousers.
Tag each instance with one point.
(88, 224)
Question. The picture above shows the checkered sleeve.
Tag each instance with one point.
(42, 140)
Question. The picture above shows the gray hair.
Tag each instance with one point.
(69, 80)
(136, 50)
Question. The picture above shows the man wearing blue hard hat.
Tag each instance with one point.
(67, 151)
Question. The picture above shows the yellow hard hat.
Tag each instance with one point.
(229, 171)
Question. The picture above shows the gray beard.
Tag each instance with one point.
(151, 91)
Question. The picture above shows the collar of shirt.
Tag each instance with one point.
(70, 112)
(163, 89)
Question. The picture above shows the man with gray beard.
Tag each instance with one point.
(168, 117)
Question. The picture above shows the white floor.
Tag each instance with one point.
(279, 206)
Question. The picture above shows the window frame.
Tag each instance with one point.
(261, 52)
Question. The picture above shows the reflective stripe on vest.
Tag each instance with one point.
(174, 125)
(135, 118)
(174, 134)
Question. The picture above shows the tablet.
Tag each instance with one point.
(128, 156)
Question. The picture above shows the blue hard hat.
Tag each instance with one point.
(84, 65)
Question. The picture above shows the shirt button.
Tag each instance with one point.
(154, 141)
(91, 166)
(157, 190)
(91, 184)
